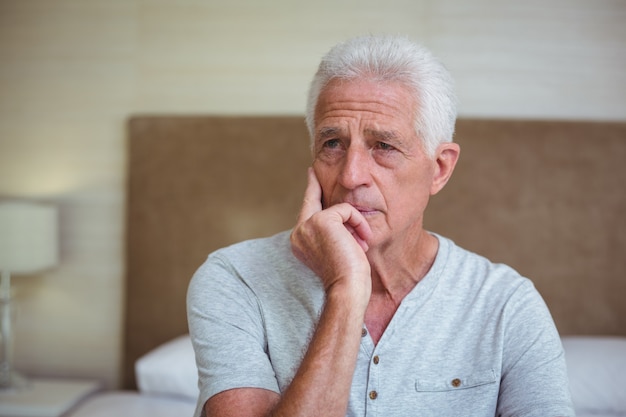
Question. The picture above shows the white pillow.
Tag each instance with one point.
(169, 369)
(597, 373)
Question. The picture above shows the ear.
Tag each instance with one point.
(445, 159)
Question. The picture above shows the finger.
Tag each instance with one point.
(362, 242)
(356, 224)
(312, 202)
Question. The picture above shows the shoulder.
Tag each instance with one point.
(491, 285)
(475, 269)
(464, 275)
(258, 267)
(263, 253)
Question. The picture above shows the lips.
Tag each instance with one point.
(364, 210)
(365, 206)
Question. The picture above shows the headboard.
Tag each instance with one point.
(546, 197)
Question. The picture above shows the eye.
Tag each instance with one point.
(330, 149)
(332, 143)
(384, 146)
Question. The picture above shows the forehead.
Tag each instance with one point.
(368, 104)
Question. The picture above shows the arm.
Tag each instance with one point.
(332, 243)
(321, 385)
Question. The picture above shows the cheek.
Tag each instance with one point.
(326, 181)
(410, 194)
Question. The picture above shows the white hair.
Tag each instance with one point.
(393, 59)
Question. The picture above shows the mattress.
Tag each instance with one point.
(133, 404)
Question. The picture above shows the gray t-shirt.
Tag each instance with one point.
(473, 338)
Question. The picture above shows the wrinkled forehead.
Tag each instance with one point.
(384, 109)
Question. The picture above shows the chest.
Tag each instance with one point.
(415, 370)
(379, 314)
(376, 325)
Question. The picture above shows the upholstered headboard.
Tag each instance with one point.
(546, 197)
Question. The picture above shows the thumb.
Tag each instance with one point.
(312, 202)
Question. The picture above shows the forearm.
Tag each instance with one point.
(333, 244)
(322, 384)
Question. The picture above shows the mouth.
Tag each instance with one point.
(365, 211)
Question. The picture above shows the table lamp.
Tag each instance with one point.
(28, 244)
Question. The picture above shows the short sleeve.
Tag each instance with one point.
(226, 328)
(534, 376)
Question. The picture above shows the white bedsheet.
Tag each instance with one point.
(133, 404)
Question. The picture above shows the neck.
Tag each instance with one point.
(398, 267)
(394, 274)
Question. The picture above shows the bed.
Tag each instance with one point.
(546, 197)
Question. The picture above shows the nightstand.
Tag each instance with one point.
(45, 397)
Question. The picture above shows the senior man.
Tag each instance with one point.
(358, 310)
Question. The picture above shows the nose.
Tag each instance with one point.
(355, 170)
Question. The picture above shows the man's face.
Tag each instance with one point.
(366, 153)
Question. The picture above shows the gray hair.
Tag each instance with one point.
(397, 59)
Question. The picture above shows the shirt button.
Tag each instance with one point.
(373, 395)
(456, 382)
(363, 333)
(376, 360)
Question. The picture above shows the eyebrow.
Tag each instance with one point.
(328, 132)
(387, 135)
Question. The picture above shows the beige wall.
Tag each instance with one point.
(72, 71)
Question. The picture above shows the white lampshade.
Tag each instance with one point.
(28, 237)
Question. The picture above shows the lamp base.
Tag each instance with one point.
(9, 378)
(12, 380)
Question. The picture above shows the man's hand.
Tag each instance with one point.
(332, 241)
